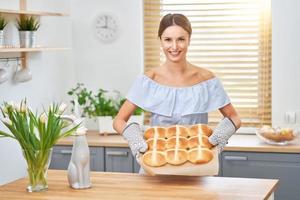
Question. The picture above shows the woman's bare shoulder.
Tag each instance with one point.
(204, 74)
(152, 73)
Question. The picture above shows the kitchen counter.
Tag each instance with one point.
(253, 144)
(250, 143)
(133, 186)
(96, 139)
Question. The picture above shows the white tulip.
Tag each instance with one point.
(7, 121)
(11, 103)
(5, 110)
(62, 108)
(7, 106)
(51, 106)
(43, 118)
(23, 107)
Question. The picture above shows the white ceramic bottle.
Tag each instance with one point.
(79, 166)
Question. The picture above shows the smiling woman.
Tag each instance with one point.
(230, 38)
(177, 92)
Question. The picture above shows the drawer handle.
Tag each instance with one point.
(66, 151)
(236, 158)
(117, 153)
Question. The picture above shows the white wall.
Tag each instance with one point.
(285, 59)
(109, 66)
(52, 72)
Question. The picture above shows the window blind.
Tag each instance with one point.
(232, 38)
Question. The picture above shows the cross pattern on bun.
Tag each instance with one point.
(177, 145)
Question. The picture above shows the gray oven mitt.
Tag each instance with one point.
(224, 130)
(134, 135)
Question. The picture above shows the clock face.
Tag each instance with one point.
(106, 28)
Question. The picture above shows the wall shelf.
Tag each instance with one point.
(27, 12)
(21, 12)
(37, 49)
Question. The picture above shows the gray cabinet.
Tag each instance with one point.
(108, 159)
(61, 156)
(136, 166)
(282, 166)
(118, 160)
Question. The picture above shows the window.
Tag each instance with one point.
(232, 38)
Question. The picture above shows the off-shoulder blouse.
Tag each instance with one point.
(177, 105)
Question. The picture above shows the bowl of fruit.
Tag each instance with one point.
(278, 136)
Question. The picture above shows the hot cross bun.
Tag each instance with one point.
(177, 145)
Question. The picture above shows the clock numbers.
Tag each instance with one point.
(106, 28)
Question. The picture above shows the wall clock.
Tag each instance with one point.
(107, 28)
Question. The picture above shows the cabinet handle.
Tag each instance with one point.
(117, 153)
(236, 158)
(66, 151)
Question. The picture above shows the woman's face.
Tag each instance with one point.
(174, 42)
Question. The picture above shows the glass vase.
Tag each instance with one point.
(37, 166)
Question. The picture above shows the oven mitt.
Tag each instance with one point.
(134, 136)
(224, 130)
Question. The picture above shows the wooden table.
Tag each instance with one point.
(121, 186)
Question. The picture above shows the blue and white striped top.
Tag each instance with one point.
(177, 105)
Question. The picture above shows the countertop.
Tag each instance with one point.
(250, 143)
(108, 185)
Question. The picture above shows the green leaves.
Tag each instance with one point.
(138, 111)
(84, 98)
(28, 23)
(34, 132)
(98, 104)
(104, 105)
(3, 23)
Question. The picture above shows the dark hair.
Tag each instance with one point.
(174, 19)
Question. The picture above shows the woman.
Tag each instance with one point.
(177, 92)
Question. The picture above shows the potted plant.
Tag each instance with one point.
(28, 27)
(36, 134)
(105, 110)
(84, 98)
(3, 23)
(82, 105)
(100, 106)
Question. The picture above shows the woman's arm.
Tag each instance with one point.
(230, 112)
(131, 132)
(226, 127)
(123, 115)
